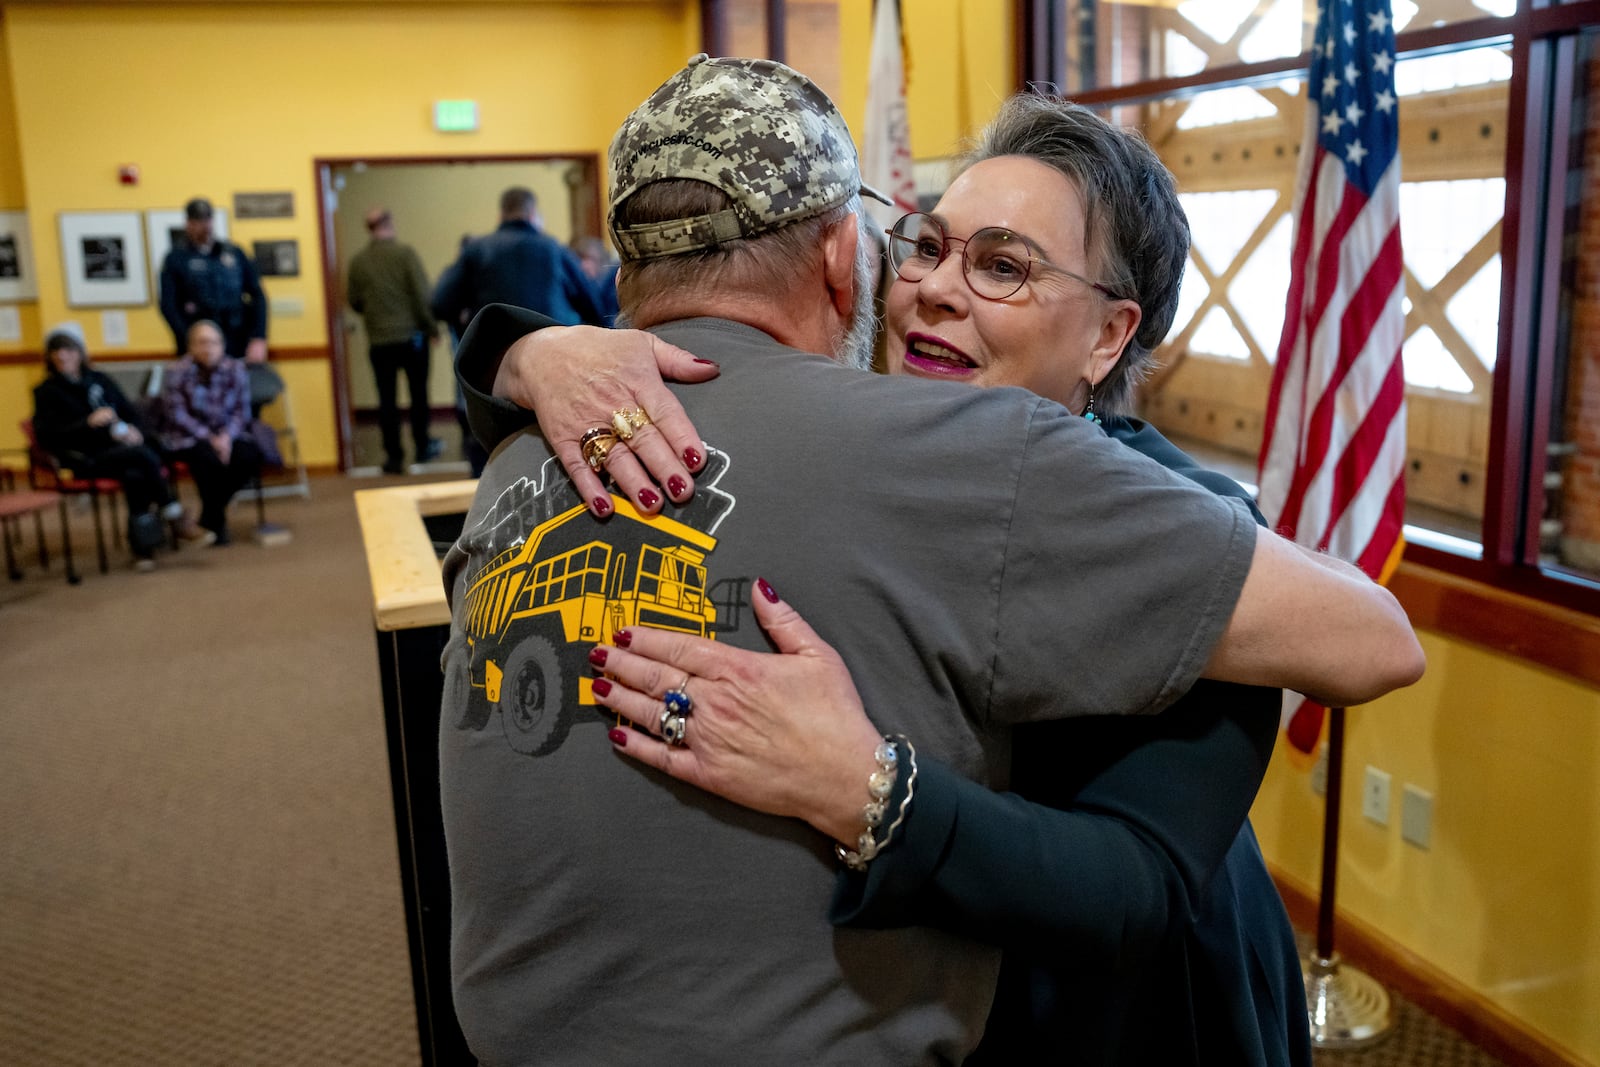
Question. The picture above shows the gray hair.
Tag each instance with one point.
(761, 264)
(1135, 231)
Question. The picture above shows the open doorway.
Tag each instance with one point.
(436, 203)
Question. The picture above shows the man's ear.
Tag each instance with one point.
(1117, 328)
(839, 262)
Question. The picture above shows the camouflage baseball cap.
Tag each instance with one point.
(760, 131)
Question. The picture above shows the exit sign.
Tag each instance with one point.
(455, 116)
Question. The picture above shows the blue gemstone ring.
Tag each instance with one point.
(678, 701)
(673, 727)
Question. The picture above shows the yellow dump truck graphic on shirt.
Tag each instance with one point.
(533, 610)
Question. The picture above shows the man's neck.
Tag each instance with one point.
(805, 327)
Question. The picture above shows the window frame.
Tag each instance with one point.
(1493, 597)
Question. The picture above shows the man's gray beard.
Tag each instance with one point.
(854, 347)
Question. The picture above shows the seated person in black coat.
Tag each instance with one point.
(90, 426)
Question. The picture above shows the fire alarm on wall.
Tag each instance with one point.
(128, 174)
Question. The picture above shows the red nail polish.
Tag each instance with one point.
(619, 737)
(692, 458)
(676, 486)
(622, 638)
(597, 656)
(767, 591)
(707, 362)
(648, 499)
(601, 505)
(601, 687)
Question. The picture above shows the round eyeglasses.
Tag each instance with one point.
(995, 261)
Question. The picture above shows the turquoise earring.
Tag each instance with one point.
(1088, 409)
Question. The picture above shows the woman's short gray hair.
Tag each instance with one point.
(1136, 234)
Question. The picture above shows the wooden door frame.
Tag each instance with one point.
(585, 219)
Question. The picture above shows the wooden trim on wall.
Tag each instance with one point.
(287, 354)
(1465, 1010)
(1550, 635)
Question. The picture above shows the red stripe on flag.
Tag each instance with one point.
(1305, 726)
(1388, 532)
(1330, 283)
(1365, 448)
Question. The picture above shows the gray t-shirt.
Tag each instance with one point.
(981, 549)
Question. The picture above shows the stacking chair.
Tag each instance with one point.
(14, 504)
(47, 473)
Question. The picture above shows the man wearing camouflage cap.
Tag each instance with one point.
(952, 543)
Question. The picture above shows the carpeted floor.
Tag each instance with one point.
(197, 864)
(198, 860)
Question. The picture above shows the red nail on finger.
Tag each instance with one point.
(622, 638)
(618, 736)
(597, 656)
(602, 687)
(767, 591)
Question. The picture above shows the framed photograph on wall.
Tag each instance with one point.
(102, 253)
(17, 280)
(163, 228)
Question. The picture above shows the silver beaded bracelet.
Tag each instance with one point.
(880, 784)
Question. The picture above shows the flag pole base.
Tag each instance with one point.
(1348, 1008)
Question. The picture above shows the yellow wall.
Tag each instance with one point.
(960, 65)
(215, 99)
(1507, 899)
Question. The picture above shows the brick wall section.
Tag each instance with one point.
(1580, 487)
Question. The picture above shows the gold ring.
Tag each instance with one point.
(626, 422)
(596, 446)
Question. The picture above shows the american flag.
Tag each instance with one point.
(1334, 445)
(886, 148)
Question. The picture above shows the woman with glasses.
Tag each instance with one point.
(1119, 874)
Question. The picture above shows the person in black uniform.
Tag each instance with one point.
(205, 278)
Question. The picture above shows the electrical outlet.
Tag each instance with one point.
(1375, 796)
(1416, 816)
(1319, 773)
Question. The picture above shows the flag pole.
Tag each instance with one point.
(1348, 1009)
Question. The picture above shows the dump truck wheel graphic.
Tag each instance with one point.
(531, 709)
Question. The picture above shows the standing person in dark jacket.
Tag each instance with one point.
(83, 419)
(390, 292)
(206, 278)
(601, 267)
(521, 265)
(455, 317)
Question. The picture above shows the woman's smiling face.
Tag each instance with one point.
(1051, 336)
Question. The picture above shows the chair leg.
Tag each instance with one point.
(38, 529)
(13, 571)
(73, 577)
(99, 534)
(116, 522)
(261, 502)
